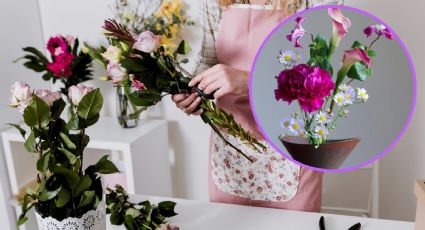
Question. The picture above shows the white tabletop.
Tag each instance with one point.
(195, 215)
(107, 133)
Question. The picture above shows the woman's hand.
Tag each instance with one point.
(221, 80)
(189, 103)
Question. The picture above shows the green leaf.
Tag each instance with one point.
(37, 53)
(86, 199)
(132, 212)
(63, 198)
(145, 98)
(357, 44)
(116, 218)
(43, 162)
(71, 157)
(136, 114)
(371, 53)
(48, 195)
(72, 177)
(37, 113)
(184, 61)
(85, 183)
(74, 123)
(68, 143)
(89, 108)
(57, 108)
(166, 208)
(358, 71)
(183, 48)
(134, 65)
(105, 166)
(30, 144)
(18, 127)
(22, 220)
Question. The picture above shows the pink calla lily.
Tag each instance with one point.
(297, 33)
(355, 55)
(341, 25)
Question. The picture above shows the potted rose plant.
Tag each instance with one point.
(322, 100)
(67, 196)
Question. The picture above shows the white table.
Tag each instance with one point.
(195, 215)
(143, 151)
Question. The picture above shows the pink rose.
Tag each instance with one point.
(70, 40)
(168, 227)
(20, 91)
(116, 72)
(138, 85)
(47, 96)
(147, 42)
(77, 92)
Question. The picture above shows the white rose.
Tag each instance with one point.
(116, 72)
(20, 92)
(47, 96)
(77, 92)
(112, 54)
(147, 42)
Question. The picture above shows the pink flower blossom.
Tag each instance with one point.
(378, 29)
(47, 96)
(56, 46)
(20, 91)
(116, 72)
(77, 92)
(61, 67)
(355, 55)
(168, 227)
(147, 42)
(138, 85)
(341, 25)
(309, 85)
(297, 33)
(70, 40)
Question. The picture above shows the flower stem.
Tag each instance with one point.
(373, 42)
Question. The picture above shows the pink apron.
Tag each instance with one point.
(271, 181)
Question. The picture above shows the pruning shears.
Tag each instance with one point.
(323, 227)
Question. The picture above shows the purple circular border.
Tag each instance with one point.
(412, 107)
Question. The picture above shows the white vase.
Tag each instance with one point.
(92, 220)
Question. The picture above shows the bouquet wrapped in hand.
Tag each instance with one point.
(141, 63)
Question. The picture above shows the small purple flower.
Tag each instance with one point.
(378, 29)
(297, 33)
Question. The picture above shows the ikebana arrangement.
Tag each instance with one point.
(66, 194)
(323, 100)
(68, 64)
(161, 17)
(138, 216)
(153, 71)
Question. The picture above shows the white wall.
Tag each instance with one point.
(405, 163)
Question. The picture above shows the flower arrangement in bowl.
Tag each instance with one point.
(153, 71)
(66, 194)
(68, 64)
(323, 100)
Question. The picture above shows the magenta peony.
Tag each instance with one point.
(61, 67)
(57, 45)
(306, 84)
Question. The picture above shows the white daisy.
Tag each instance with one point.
(339, 98)
(286, 123)
(321, 131)
(362, 94)
(344, 87)
(323, 118)
(288, 58)
(296, 126)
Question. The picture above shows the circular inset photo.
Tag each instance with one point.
(333, 88)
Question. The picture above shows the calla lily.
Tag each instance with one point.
(378, 29)
(350, 58)
(341, 25)
(297, 33)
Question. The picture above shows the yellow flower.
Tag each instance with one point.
(158, 26)
(168, 8)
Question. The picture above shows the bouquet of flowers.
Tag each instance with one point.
(153, 71)
(164, 17)
(63, 188)
(68, 64)
(322, 100)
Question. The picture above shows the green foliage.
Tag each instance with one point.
(64, 189)
(137, 216)
(360, 71)
(183, 48)
(319, 52)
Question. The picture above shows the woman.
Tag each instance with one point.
(232, 33)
